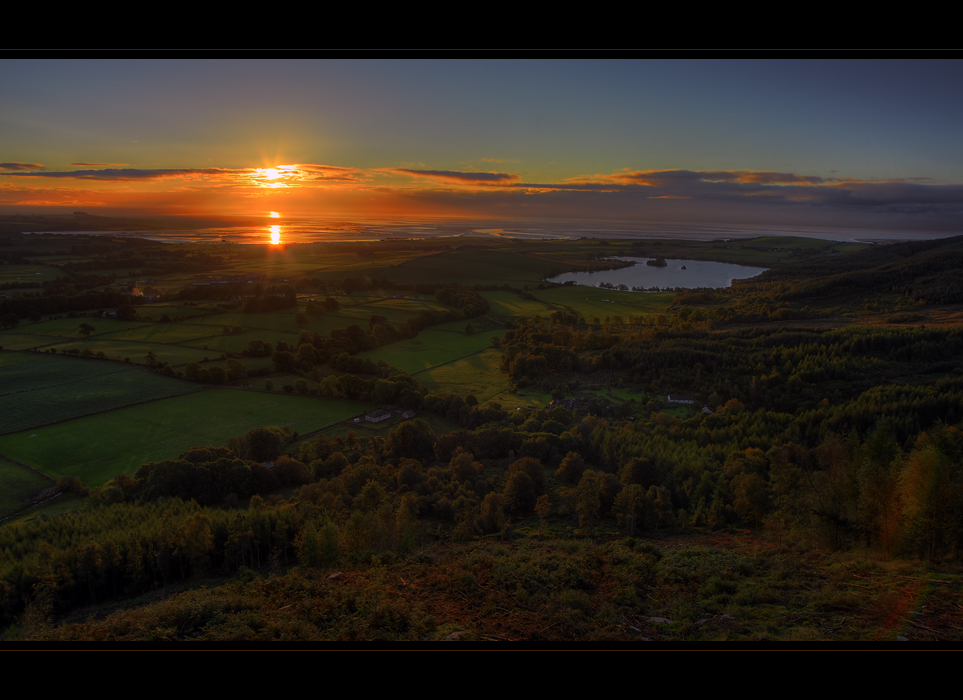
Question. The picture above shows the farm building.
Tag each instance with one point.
(679, 398)
(377, 416)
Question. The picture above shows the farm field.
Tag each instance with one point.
(509, 305)
(282, 320)
(476, 267)
(70, 327)
(137, 351)
(176, 311)
(428, 349)
(592, 302)
(23, 341)
(164, 332)
(16, 484)
(96, 393)
(480, 376)
(28, 273)
(98, 448)
(405, 306)
(238, 343)
(360, 313)
(30, 371)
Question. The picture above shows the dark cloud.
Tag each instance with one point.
(115, 174)
(731, 196)
(459, 176)
(325, 168)
(101, 165)
(312, 172)
(20, 166)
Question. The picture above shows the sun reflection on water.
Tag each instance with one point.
(275, 235)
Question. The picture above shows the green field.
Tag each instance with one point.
(16, 484)
(137, 352)
(402, 306)
(592, 302)
(69, 327)
(164, 332)
(21, 341)
(238, 343)
(97, 448)
(282, 320)
(476, 267)
(27, 273)
(509, 304)
(176, 311)
(428, 349)
(28, 371)
(480, 375)
(106, 391)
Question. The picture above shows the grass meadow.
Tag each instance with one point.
(509, 305)
(592, 302)
(136, 351)
(164, 332)
(238, 343)
(98, 448)
(25, 371)
(17, 483)
(476, 267)
(119, 387)
(28, 273)
(429, 349)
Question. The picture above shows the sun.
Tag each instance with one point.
(274, 215)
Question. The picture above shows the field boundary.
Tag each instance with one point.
(104, 410)
(72, 381)
(442, 364)
(33, 469)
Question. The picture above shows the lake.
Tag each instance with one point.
(639, 277)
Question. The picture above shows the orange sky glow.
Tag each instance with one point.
(629, 140)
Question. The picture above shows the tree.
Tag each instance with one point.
(519, 493)
(301, 320)
(414, 439)
(630, 507)
(571, 468)
(235, 370)
(126, 312)
(86, 330)
(542, 509)
(192, 371)
(469, 329)
(265, 444)
(588, 501)
(464, 467)
(284, 361)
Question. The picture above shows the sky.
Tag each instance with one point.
(860, 143)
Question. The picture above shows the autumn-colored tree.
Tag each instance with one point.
(588, 501)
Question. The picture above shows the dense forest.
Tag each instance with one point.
(809, 434)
